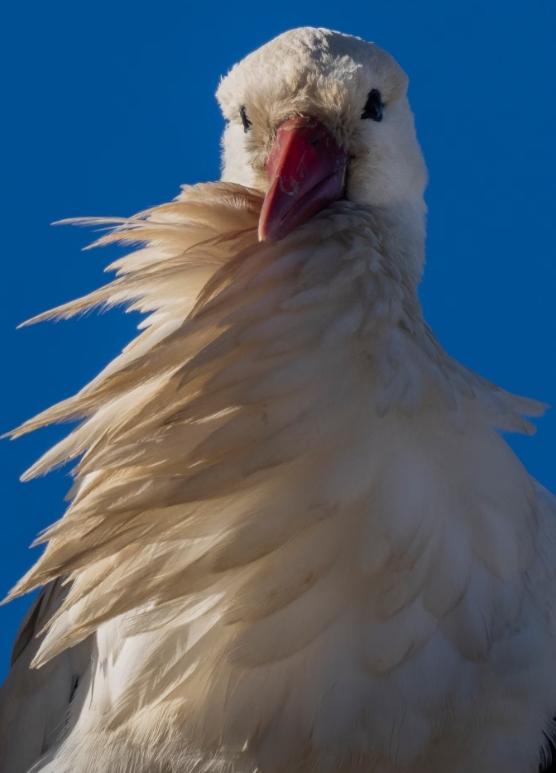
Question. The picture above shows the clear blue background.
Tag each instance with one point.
(108, 107)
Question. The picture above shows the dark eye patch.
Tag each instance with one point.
(374, 106)
(244, 119)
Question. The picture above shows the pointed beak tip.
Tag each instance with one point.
(266, 233)
(262, 235)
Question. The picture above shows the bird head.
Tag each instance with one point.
(314, 116)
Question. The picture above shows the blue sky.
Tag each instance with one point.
(108, 107)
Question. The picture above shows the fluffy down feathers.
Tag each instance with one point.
(295, 534)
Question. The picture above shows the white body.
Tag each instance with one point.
(298, 542)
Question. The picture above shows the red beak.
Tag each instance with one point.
(306, 169)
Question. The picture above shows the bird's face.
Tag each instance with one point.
(314, 116)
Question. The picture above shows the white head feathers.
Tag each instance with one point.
(328, 75)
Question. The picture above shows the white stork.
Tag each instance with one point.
(296, 542)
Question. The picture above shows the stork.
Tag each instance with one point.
(297, 541)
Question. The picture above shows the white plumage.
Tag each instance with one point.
(296, 540)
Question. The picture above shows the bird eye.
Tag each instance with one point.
(244, 120)
(374, 106)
